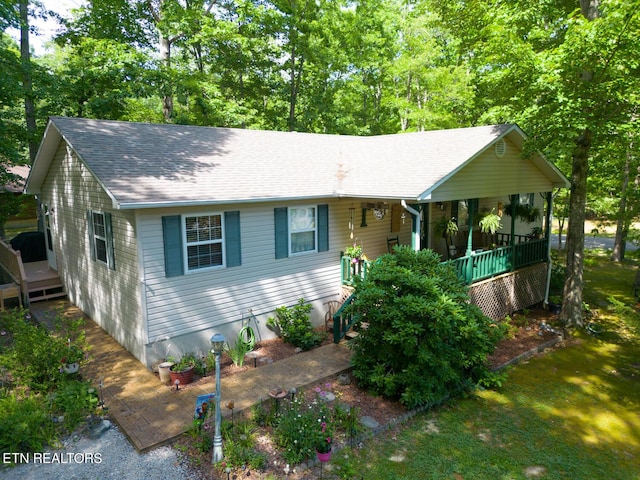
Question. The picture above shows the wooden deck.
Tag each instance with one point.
(35, 280)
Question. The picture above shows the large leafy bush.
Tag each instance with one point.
(424, 339)
(295, 326)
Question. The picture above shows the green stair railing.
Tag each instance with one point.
(342, 321)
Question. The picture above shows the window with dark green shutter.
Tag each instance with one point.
(202, 241)
(301, 229)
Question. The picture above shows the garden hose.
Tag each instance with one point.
(247, 337)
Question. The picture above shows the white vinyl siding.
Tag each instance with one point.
(110, 297)
(490, 176)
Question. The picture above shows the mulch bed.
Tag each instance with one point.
(529, 335)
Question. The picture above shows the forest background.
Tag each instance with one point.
(566, 71)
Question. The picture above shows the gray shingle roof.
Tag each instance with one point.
(143, 164)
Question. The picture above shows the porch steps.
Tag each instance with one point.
(351, 334)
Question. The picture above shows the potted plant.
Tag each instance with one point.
(447, 227)
(182, 370)
(323, 442)
(72, 358)
(525, 213)
(536, 233)
(489, 224)
(355, 252)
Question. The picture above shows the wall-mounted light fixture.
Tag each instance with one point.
(440, 205)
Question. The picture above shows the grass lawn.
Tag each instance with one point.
(573, 413)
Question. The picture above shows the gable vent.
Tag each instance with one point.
(500, 148)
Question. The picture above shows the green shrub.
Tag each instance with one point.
(74, 400)
(424, 340)
(34, 357)
(295, 325)
(25, 425)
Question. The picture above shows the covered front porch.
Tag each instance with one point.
(505, 270)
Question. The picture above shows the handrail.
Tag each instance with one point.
(11, 263)
(486, 264)
(349, 269)
(470, 269)
(342, 322)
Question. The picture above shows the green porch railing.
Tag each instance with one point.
(481, 265)
(470, 269)
(342, 322)
(350, 269)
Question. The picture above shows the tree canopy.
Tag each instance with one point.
(566, 71)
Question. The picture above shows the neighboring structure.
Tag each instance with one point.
(165, 234)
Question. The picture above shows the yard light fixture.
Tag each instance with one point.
(217, 342)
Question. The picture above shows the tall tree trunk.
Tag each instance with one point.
(571, 312)
(572, 302)
(167, 94)
(29, 104)
(622, 224)
(27, 83)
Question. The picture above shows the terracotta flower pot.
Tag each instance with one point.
(185, 376)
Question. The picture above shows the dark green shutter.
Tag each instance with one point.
(92, 245)
(111, 257)
(232, 238)
(172, 235)
(323, 228)
(281, 232)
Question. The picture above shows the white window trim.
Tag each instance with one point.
(186, 244)
(99, 237)
(291, 231)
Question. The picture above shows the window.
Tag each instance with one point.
(101, 238)
(203, 240)
(302, 229)
(527, 199)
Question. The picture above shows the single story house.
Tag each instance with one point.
(165, 234)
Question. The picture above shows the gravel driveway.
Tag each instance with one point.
(108, 457)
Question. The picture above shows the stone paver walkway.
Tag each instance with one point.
(151, 413)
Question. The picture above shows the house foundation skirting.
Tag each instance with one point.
(501, 296)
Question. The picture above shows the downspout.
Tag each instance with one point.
(515, 200)
(548, 236)
(415, 235)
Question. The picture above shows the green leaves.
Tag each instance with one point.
(424, 339)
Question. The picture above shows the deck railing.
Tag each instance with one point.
(481, 264)
(350, 269)
(11, 265)
(472, 268)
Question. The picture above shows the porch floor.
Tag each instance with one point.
(152, 414)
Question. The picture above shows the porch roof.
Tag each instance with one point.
(143, 165)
